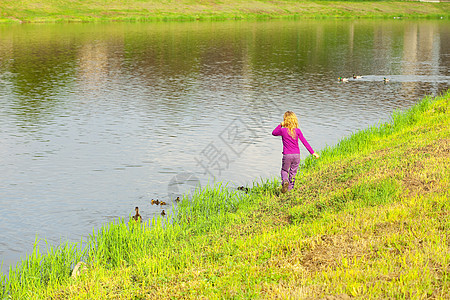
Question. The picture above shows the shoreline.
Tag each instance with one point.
(374, 207)
(28, 11)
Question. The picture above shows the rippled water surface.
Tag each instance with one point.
(98, 119)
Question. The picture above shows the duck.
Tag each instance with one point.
(356, 76)
(137, 216)
(163, 213)
(343, 79)
(155, 202)
(242, 188)
(178, 199)
(385, 79)
(162, 203)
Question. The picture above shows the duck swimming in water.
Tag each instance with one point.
(178, 199)
(385, 79)
(162, 203)
(356, 76)
(163, 213)
(137, 216)
(155, 202)
(343, 79)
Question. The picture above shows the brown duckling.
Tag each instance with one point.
(155, 202)
(137, 216)
(242, 188)
(163, 213)
(162, 203)
(178, 199)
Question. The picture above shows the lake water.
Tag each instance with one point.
(96, 119)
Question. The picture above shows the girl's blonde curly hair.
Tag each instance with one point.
(290, 121)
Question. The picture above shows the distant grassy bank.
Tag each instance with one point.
(151, 10)
(370, 219)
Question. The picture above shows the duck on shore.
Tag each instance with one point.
(137, 216)
(242, 188)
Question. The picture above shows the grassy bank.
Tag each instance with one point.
(151, 10)
(369, 219)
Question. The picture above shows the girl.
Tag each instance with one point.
(290, 133)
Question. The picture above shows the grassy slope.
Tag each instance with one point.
(370, 218)
(139, 10)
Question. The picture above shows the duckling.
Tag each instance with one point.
(356, 76)
(163, 213)
(178, 199)
(242, 188)
(137, 217)
(343, 79)
(162, 203)
(153, 201)
(385, 79)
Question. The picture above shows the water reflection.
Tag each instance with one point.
(98, 119)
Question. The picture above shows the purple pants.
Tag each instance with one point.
(289, 167)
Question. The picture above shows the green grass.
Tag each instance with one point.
(370, 219)
(190, 10)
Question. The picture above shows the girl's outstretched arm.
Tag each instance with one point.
(306, 144)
